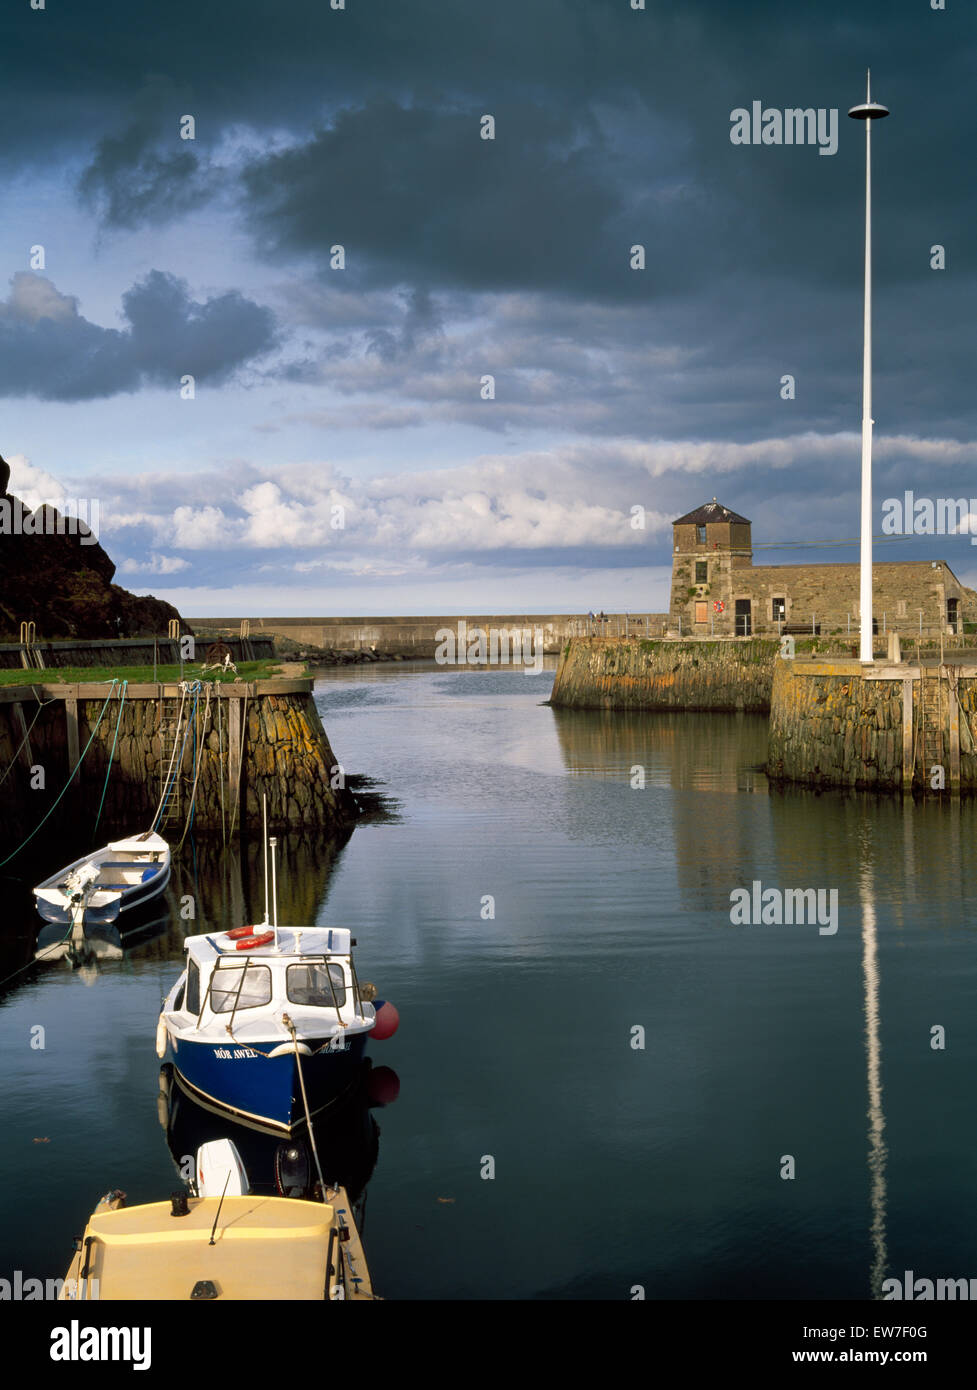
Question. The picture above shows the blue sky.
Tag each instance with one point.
(359, 389)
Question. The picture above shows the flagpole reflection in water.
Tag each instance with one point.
(873, 1057)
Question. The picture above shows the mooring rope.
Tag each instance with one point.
(305, 1101)
(193, 688)
(176, 735)
(198, 757)
(108, 770)
(41, 706)
(67, 784)
(220, 758)
(240, 760)
(42, 955)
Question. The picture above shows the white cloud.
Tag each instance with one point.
(33, 297)
(197, 528)
(31, 484)
(156, 564)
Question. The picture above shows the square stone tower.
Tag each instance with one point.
(708, 544)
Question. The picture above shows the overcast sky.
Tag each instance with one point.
(354, 395)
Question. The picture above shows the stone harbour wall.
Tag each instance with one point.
(835, 728)
(252, 740)
(833, 725)
(618, 673)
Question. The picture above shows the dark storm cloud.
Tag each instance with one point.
(612, 128)
(146, 171)
(50, 350)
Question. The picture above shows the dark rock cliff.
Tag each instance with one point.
(63, 582)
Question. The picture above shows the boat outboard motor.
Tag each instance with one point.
(293, 1172)
(220, 1170)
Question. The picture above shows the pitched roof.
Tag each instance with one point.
(710, 511)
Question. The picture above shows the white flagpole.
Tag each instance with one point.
(867, 112)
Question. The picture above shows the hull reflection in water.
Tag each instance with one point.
(88, 949)
(346, 1137)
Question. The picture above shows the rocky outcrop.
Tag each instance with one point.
(63, 581)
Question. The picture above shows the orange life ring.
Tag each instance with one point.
(237, 932)
(262, 939)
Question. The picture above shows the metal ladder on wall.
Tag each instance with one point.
(170, 734)
(30, 655)
(247, 651)
(931, 722)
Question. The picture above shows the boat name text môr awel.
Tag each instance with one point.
(235, 1052)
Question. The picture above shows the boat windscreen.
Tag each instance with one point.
(316, 984)
(229, 991)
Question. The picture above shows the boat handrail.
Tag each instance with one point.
(237, 998)
(332, 991)
(318, 956)
(357, 1000)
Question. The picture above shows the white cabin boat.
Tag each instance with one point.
(270, 1026)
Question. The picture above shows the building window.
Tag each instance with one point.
(701, 610)
(700, 534)
(744, 618)
(901, 608)
(779, 609)
(951, 613)
(701, 571)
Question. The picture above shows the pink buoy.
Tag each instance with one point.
(383, 1086)
(388, 1020)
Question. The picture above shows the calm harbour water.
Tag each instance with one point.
(615, 1166)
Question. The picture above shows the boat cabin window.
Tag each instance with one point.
(193, 987)
(309, 984)
(255, 986)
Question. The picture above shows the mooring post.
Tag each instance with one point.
(908, 761)
(233, 743)
(26, 745)
(71, 721)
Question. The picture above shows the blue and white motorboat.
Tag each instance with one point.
(271, 1026)
(98, 887)
(270, 1023)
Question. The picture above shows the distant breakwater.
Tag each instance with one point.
(635, 674)
(417, 637)
(128, 651)
(262, 738)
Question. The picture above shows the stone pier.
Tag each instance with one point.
(251, 739)
(892, 726)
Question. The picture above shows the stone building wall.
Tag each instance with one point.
(714, 579)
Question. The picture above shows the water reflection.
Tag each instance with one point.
(212, 887)
(900, 869)
(714, 752)
(873, 1060)
(346, 1137)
